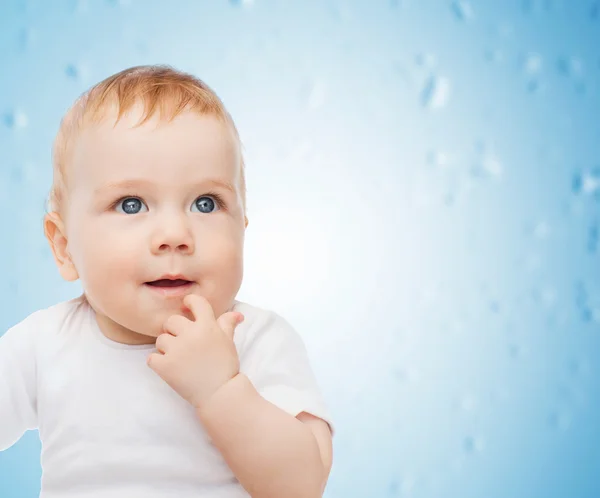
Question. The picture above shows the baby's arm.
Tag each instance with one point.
(17, 383)
(270, 422)
(272, 453)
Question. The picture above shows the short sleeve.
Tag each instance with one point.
(17, 383)
(275, 359)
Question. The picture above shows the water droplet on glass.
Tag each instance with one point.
(407, 485)
(404, 374)
(532, 262)
(468, 403)
(13, 286)
(243, 3)
(27, 38)
(581, 301)
(541, 230)
(79, 6)
(313, 95)
(505, 30)
(532, 64)
(473, 444)
(487, 164)
(71, 71)
(588, 303)
(534, 86)
(493, 55)
(427, 61)
(586, 182)
(16, 175)
(592, 238)
(570, 66)
(527, 5)
(436, 92)
(515, 351)
(16, 119)
(560, 420)
(462, 10)
(581, 88)
(545, 296)
(534, 6)
(316, 98)
(574, 366)
(28, 172)
(438, 159)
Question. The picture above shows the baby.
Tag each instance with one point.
(157, 382)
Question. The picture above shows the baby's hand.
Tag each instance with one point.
(197, 357)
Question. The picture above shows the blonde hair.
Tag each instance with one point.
(159, 87)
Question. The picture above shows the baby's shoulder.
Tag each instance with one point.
(48, 321)
(257, 318)
(262, 325)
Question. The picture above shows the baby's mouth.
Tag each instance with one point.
(169, 283)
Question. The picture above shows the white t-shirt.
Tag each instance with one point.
(110, 426)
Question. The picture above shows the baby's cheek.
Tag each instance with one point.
(108, 260)
(226, 265)
(223, 272)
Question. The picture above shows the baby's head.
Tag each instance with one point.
(148, 184)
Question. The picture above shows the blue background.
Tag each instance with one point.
(423, 194)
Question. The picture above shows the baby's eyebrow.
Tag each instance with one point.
(141, 183)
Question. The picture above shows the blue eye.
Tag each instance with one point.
(204, 204)
(130, 205)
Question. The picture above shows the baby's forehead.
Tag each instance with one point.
(191, 144)
(138, 119)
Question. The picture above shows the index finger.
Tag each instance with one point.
(200, 307)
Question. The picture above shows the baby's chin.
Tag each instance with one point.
(157, 326)
(139, 322)
(142, 328)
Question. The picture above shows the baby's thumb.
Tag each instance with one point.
(229, 321)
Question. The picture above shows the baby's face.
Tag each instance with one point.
(152, 203)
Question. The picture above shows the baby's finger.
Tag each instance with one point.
(163, 342)
(229, 321)
(176, 324)
(200, 308)
(156, 362)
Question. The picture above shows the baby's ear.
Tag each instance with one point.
(54, 230)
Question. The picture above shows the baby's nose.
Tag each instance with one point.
(178, 247)
(173, 237)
